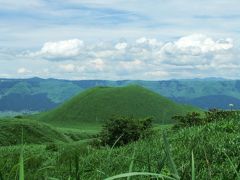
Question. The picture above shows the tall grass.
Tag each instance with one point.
(193, 167)
(131, 164)
(236, 175)
(131, 174)
(133, 161)
(171, 165)
(21, 162)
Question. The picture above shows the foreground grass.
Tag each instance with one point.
(215, 147)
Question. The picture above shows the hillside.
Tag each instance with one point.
(100, 103)
(52, 92)
(33, 132)
(215, 147)
(216, 154)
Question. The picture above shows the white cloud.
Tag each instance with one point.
(197, 44)
(189, 56)
(67, 67)
(105, 53)
(23, 71)
(121, 46)
(60, 49)
(97, 64)
(196, 49)
(148, 41)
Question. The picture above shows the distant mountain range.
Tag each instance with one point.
(38, 94)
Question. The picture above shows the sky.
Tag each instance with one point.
(120, 39)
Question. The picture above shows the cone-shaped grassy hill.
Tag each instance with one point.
(100, 103)
(34, 132)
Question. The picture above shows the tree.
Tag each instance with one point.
(123, 130)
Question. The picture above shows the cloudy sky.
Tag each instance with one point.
(120, 39)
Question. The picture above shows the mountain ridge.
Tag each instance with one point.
(58, 91)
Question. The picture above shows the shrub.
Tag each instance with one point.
(18, 117)
(212, 115)
(190, 119)
(123, 130)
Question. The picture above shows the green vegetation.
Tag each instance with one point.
(203, 93)
(34, 132)
(120, 131)
(21, 163)
(184, 144)
(196, 119)
(99, 104)
(209, 151)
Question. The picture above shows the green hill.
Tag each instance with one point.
(36, 94)
(33, 132)
(98, 104)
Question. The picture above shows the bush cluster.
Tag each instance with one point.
(195, 118)
(119, 131)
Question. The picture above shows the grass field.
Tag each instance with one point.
(215, 147)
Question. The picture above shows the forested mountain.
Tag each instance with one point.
(38, 94)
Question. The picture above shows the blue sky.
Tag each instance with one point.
(119, 39)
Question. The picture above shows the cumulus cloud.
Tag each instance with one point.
(148, 41)
(195, 49)
(197, 44)
(60, 49)
(193, 55)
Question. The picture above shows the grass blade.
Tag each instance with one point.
(21, 163)
(110, 152)
(1, 176)
(161, 164)
(193, 168)
(76, 158)
(124, 175)
(172, 165)
(131, 164)
(235, 170)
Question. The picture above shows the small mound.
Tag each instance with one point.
(33, 132)
(100, 103)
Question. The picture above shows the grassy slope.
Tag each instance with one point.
(34, 132)
(98, 104)
(209, 143)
